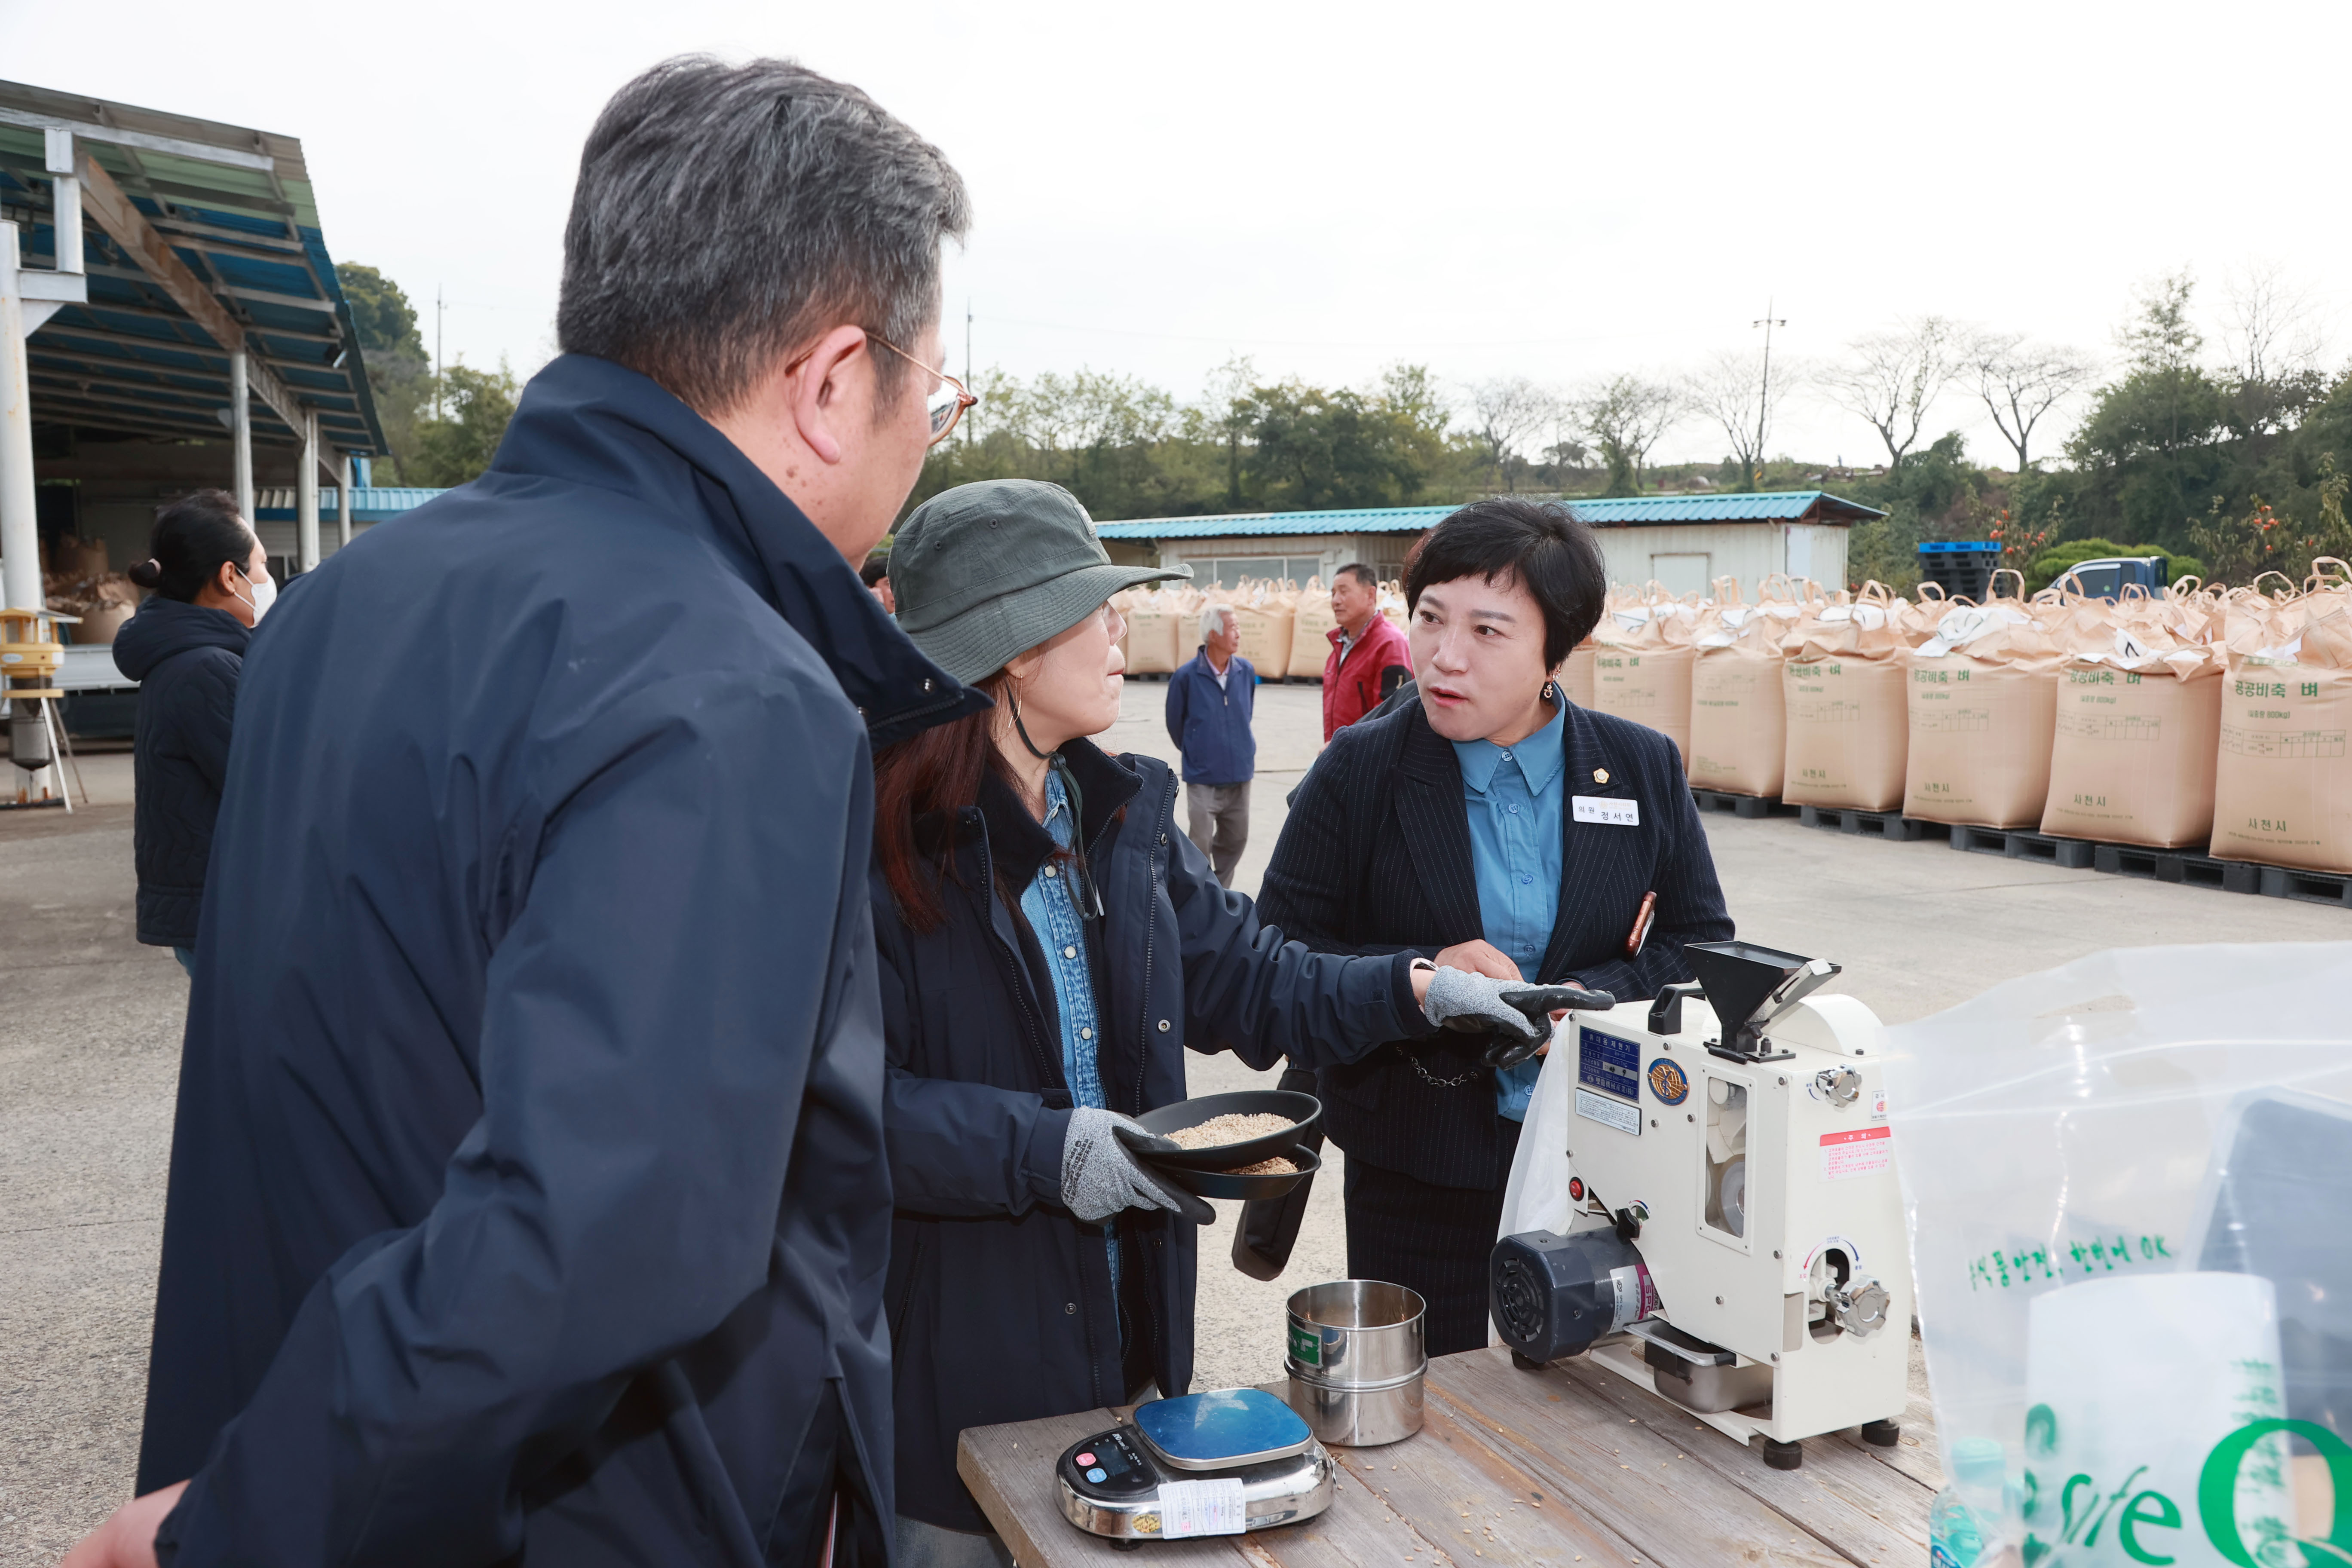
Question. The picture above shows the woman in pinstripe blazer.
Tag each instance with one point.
(1490, 825)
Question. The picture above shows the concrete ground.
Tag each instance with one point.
(88, 1057)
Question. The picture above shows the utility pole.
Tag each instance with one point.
(967, 355)
(1764, 397)
(437, 308)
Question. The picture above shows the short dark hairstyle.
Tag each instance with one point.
(1364, 576)
(191, 537)
(726, 215)
(1543, 546)
(876, 567)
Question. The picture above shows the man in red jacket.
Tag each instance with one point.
(1370, 658)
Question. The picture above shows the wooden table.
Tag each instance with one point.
(1571, 1465)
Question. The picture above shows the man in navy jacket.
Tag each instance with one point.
(527, 1199)
(1211, 700)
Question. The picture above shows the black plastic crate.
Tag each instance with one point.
(1963, 570)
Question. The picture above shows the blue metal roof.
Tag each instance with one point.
(1358, 520)
(237, 208)
(370, 503)
(1624, 511)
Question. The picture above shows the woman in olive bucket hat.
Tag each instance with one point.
(1050, 943)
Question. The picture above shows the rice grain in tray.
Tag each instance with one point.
(1277, 1167)
(1218, 1130)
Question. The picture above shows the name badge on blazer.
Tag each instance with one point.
(1606, 809)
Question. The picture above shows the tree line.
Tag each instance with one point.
(443, 426)
(2228, 456)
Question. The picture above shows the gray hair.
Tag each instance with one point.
(728, 215)
(1213, 619)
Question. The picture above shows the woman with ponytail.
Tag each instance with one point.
(209, 584)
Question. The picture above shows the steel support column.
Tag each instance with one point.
(240, 432)
(306, 495)
(343, 500)
(20, 532)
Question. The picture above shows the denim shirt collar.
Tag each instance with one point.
(1540, 756)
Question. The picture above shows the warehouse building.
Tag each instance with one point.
(1684, 542)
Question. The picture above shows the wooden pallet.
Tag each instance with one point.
(1868, 824)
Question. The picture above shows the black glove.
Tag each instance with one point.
(1539, 1002)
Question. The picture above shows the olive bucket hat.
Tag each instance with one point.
(985, 572)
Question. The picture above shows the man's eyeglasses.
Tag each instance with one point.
(947, 405)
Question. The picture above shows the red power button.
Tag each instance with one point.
(1085, 1459)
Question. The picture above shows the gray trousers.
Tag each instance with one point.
(922, 1545)
(1219, 819)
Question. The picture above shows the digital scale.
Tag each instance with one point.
(1220, 1463)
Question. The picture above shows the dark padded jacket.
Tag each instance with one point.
(1375, 857)
(185, 659)
(1001, 1306)
(529, 1202)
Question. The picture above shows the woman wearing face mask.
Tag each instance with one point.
(186, 647)
(1490, 823)
(1050, 943)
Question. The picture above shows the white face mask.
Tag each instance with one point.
(264, 595)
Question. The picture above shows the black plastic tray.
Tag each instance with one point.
(1225, 1184)
(1305, 1111)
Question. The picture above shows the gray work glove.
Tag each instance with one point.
(1517, 1011)
(1099, 1178)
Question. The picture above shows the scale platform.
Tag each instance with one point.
(1220, 1462)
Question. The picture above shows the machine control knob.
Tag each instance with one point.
(1859, 1306)
(1840, 1086)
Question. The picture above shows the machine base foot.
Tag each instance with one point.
(1882, 1434)
(1528, 1363)
(1126, 1545)
(1784, 1456)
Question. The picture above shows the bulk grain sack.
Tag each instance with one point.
(1265, 615)
(1160, 632)
(1982, 698)
(2139, 721)
(1739, 722)
(1576, 674)
(1842, 676)
(2282, 785)
(1642, 667)
(1310, 636)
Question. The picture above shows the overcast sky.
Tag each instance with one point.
(1557, 190)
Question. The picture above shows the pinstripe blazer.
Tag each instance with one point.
(1375, 857)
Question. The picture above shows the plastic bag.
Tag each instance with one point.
(2139, 1114)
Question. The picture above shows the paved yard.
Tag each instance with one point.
(88, 1057)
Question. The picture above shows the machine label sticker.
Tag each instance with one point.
(1668, 1082)
(1606, 809)
(1609, 1064)
(1306, 1345)
(1202, 1508)
(1608, 1112)
(1878, 1105)
(1864, 1152)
